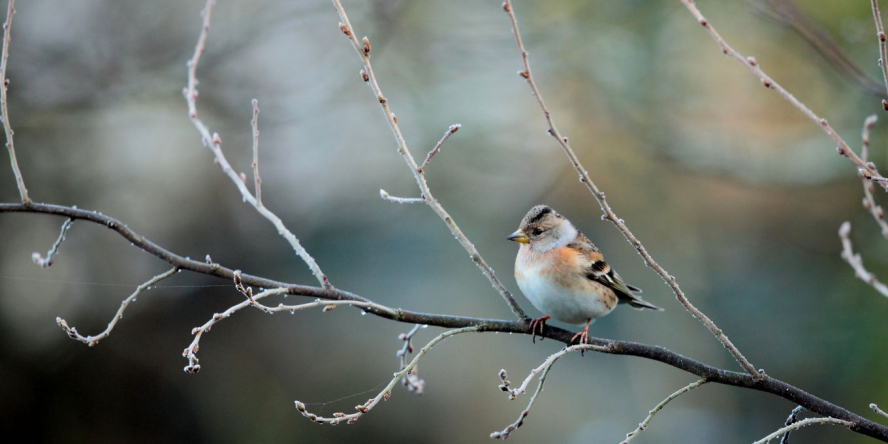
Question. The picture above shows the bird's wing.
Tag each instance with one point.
(598, 270)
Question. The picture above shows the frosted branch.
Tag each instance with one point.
(214, 142)
(543, 371)
(93, 340)
(46, 262)
(434, 151)
(385, 393)
(363, 49)
(647, 421)
(856, 261)
(4, 109)
(609, 213)
(803, 423)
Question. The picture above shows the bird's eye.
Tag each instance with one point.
(537, 231)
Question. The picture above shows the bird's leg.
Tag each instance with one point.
(538, 323)
(583, 335)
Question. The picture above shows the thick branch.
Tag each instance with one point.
(606, 208)
(4, 111)
(765, 384)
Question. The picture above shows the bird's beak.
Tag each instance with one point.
(519, 237)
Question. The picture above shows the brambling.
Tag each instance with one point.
(564, 275)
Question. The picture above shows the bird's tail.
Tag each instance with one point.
(641, 304)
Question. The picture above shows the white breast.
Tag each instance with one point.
(574, 305)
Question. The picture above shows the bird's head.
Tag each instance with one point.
(543, 229)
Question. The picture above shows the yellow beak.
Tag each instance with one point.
(519, 237)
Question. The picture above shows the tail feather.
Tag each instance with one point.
(641, 304)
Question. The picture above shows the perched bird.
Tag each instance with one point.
(564, 275)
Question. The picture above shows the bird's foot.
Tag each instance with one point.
(583, 336)
(538, 324)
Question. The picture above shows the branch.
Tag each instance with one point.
(93, 340)
(4, 111)
(363, 49)
(543, 370)
(647, 421)
(750, 63)
(609, 213)
(46, 262)
(856, 261)
(413, 382)
(765, 383)
(214, 142)
(451, 130)
(803, 423)
(401, 200)
(256, 178)
(793, 417)
(883, 53)
(869, 201)
(386, 392)
(878, 410)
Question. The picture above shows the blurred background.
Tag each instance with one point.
(730, 189)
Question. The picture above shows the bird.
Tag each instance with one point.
(564, 274)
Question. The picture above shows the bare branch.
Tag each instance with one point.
(647, 421)
(856, 261)
(883, 53)
(542, 370)
(803, 423)
(401, 200)
(214, 142)
(93, 340)
(765, 384)
(869, 201)
(363, 49)
(412, 381)
(750, 63)
(609, 213)
(878, 410)
(451, 130)
(46, 262)
(386, 392)
(256, 178)
(4, 110)
(793, 417)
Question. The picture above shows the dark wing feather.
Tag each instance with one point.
(599, 271)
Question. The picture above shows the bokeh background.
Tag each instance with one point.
(730, 188)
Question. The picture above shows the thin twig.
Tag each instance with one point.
(451, 130)
(856, 261)
(647, 421)
(750, 63)
(793, 417)
(386, 392)
(401, 200)
(256, 178)
(542, 370)
(878, 410)
(869, 200)
(363, 49)
(93, 340)
(883, 52)
(190, 352)
(4, 110)
(609, 213)
(214, 142)
(803, 423)
(46, 262)
(412, 381)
